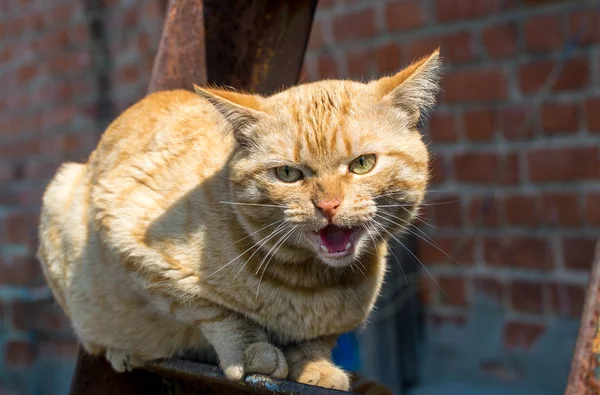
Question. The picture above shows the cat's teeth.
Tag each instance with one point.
(324, 248)
(348, 246)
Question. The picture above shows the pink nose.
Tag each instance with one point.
(328, 207)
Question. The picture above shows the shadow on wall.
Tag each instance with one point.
(486, 358)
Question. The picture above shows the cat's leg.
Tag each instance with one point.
(310, 363)
(241, 345)
(122, 361)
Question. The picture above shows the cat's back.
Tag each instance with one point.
(169, 123)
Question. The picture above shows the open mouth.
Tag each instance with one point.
(336, 242)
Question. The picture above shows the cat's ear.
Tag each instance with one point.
(414, 89)
(241, 110)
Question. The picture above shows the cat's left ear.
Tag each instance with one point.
(241, 110)
(414, 89)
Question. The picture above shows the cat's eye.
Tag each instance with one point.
(288, 174)
(363, 164)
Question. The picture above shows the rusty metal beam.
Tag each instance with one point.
(584, 378)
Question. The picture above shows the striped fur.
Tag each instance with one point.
(177, 236)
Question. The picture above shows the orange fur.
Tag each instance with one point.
(177, 234)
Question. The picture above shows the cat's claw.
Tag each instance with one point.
(320, 373)
(120, 360)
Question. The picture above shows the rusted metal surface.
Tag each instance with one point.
(584, 378)
(177, 377)
(180, 61)
(257, 45)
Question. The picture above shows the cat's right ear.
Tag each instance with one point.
(241, 110)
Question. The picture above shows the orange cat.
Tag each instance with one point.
(251, 228)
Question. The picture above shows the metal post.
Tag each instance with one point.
(584, 378)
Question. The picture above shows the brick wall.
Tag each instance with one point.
(513, 200)
(515, 196)
(66, 68)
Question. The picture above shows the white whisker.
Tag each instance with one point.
(234, 259)
(278, 244)
(413, 255)
(276, 231)
(256, 231)
(423, 237)
(253, 204)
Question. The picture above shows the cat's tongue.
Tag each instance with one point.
(335, 238)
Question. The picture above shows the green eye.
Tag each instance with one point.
(288, 174)
(363, 164)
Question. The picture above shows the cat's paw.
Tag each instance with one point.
(122, 361)
(264, 358)
(320, 373)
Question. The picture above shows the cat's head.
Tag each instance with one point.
(330, 168)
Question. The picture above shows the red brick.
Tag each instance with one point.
(522, 335)
(483, 211)
(574, 76)
(418, 48)
(476, 167)
(458, 47)
(388, 58)
(479, 85)
(450, 10)
(359, 63)
(26, 73)
(527, 296)
(522, 210)
(592, 208)
(592, 114)
(543, 32)
(522, 252)
(479, 125)
(510, 170)
(327, 67)
(442, 128)
(561, 209)
(515, 123)
(63, 348)
(437, 170)
(128, 74)
(18, 354)
(586, 26)
(560, 117)
(317, 39)
(445, 211)
(446, 250)
(354, 26)
(490, 287)
(20, 271)
(43, 316)
(567, 299)
(21, 227)
(402, 16)
(578, 253)
(564, 164)
(325, 4)
(454, 290)
(501, 40)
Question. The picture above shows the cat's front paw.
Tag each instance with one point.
(264, 358)
(122, 361)
(320, 373)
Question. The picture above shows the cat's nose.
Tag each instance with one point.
(328, 207)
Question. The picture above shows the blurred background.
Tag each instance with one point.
(515, 197)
